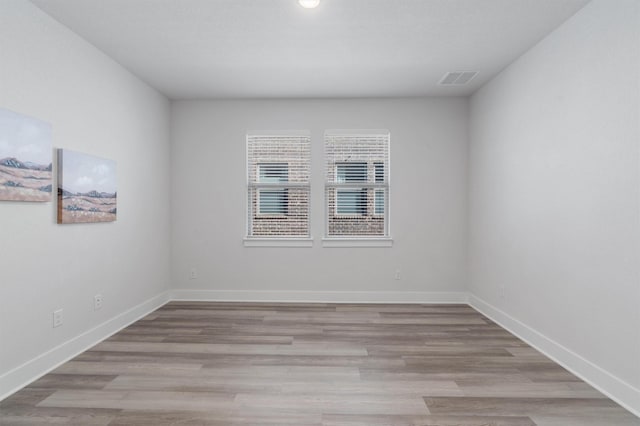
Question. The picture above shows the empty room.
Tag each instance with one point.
(320, 212)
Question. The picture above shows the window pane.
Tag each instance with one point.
(351, 172)
(274, 172)
(379, 171)
(352, 202)
(273, 201)
(379, 202)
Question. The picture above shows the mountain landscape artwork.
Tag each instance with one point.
(25, 158)
(86, 188)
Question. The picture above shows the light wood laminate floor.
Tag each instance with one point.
(231, 364)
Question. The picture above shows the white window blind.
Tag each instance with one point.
(278, 186)
(357, 184)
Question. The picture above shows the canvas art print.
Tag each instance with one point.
(25, 158)
(86, 188)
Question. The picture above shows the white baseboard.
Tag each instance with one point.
(21, 376)
(613, 387)
(444, 297)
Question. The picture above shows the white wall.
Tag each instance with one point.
(428, 201)
(554, 196)
(97, 107)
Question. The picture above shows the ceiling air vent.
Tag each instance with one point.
(457, 78)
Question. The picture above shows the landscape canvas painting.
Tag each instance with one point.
(25, 158)
(86, 188)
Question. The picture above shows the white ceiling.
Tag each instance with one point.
(345, 48)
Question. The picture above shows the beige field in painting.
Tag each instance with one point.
(85, 208)
(24, 184)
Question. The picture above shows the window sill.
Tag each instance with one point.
(278, 242)
(357, 242)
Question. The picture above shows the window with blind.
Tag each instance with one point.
(357, 184)
(278, 186)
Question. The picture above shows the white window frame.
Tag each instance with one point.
(275, 241)
(372, 185)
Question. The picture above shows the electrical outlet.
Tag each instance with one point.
(193, 274)
(57, 318)
(397, 275)
(97, 302)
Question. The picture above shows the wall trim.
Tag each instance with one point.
(21, 376)
(444, 297)
(612, 386)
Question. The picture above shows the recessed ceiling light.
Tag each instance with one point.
(309, 4)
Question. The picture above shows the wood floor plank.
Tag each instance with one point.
(618, 419)
(230, 418)
(308, 360)
(322, 364)
(335, 404)
(429, 420)
(117, 368)
(513, 406)
(286, 385)
(228, 338)
(58, 416)
(143, 400)
(232, 349)
(527, 390)
(74, 381)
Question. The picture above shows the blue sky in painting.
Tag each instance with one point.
(84, 173)
(25, 138)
